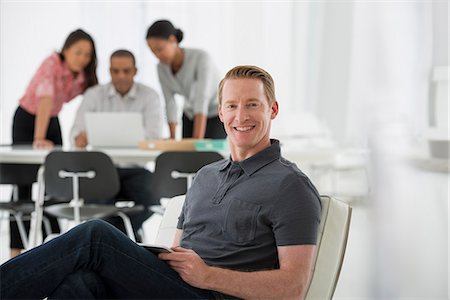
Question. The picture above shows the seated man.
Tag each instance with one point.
(247, 229)
(122, 94)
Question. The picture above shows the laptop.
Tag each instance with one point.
(114, 129)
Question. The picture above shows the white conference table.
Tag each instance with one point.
(28, 155)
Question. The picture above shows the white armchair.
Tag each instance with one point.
(332, 241)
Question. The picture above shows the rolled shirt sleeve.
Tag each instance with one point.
(88, 104)
(153, 117)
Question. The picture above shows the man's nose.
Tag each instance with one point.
(241, 114)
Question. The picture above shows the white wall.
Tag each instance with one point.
(234, 33)
(27, 36)
(316, 51)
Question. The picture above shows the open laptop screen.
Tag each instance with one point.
(114, 129)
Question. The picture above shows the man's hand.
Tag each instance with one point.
(188, 265)
(81, 140)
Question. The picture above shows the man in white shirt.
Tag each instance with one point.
(123, 94)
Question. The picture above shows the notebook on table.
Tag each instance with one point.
(114, 129)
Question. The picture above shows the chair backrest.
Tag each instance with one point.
(331, 242)
(104, 185)
(163, 183)
(168, 225)
(19, 174)
(331, 245)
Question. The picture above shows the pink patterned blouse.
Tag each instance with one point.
(55, 80)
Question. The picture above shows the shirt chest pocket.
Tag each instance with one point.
(241, 219)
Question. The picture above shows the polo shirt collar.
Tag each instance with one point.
(257, 161)
(131, 94)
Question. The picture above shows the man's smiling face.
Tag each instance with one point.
(246, 115)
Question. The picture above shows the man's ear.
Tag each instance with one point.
(172, 38)
(220, 113)
(274, 110)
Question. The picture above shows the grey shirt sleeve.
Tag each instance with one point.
(204, 86)
(169, 96)
(296, 215)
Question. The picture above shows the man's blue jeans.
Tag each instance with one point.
(93, 260)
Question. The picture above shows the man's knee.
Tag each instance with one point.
(95, 227)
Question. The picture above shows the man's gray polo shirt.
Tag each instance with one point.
(237, 213)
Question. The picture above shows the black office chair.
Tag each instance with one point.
(77, 176)
(20, 209)
(174, 172)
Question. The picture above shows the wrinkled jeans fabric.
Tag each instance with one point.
(93, 260)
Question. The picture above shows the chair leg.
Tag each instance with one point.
(37, 215)
(21, 227)
(47, 227)
(128, 226)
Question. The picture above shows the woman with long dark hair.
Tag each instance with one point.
(188, 72)
(61, 77)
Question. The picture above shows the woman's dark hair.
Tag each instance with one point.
(90, 69)
(163, 29)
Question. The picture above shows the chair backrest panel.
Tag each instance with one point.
(104, 185)
(168, 225)
(331, 245)
(20, 174)
(164, 185)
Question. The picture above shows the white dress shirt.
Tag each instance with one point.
(105, 98)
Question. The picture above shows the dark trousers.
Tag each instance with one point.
(214, 128)
(23, 134)
(135, 185)
(93, 260)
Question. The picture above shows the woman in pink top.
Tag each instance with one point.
(60, 78)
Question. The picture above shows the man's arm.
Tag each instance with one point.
(153, 116)
(78, 135)
(41, 123)
(289, 281)
(199, 130)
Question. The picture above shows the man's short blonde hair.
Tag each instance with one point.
(251, 72)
